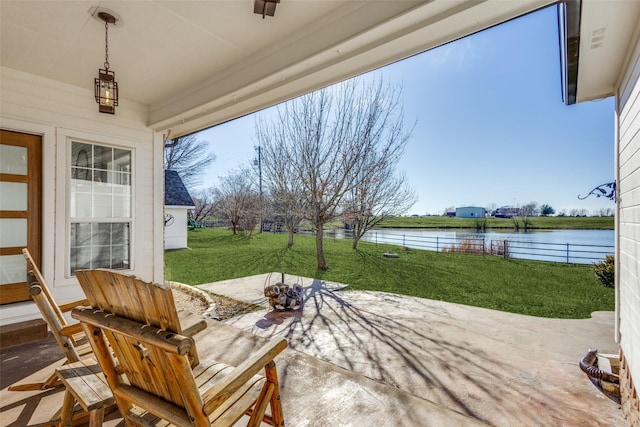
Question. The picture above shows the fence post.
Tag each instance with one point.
(506, 249)
(437, 244)
(567, 252)
(403, 243)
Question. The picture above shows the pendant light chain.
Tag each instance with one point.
(106, 45)
(105, 85)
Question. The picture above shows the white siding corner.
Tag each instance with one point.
(628, 221)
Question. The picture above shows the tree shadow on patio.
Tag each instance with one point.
(464, 362)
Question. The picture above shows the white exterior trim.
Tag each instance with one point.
(616, 162)
(157, 242)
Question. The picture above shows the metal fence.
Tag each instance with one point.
(507, 248)
(523, 249)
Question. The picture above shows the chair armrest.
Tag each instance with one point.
(70, 305)
(69, 330)
(242, 373)
(191, 323)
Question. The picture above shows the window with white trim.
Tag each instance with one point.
(100, 207)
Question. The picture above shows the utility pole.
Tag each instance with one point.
(259, 164)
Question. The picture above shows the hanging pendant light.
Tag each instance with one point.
(265, 7)
(106, 87)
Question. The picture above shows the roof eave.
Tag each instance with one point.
(180, 206)
(569, 35)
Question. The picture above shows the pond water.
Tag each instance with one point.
(574, 246)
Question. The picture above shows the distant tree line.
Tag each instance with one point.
(533, 209)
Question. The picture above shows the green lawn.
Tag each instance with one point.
(550, 222)
(520, 286)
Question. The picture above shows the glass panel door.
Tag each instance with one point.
(20, 195)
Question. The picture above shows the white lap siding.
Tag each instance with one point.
(628, 222)
(175, 233)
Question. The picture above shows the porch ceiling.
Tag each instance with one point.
(606, 32)
(195, 64)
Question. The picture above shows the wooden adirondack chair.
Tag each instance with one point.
(151, 377)
(68, 336)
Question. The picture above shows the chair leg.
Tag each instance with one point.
(96, 417)
(264, 399)
(276, 404)
(66, 412)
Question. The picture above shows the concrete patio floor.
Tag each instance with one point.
(376, 359)
(501, 368)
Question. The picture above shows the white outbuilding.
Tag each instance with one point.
(177, 202)
(470, 212)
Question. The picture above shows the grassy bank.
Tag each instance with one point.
(519, 286)
(549, 222)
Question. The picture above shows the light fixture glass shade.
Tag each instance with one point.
(265, 7)
(106, 91)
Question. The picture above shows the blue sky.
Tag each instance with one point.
(491, 126)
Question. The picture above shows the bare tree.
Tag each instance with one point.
(328, 138)
(287, 201)
(204, 204)
(188, 156)
(604, 212)
(382, 195)
(578, 212)
(530, 209)
(288, 206)
(238, 201)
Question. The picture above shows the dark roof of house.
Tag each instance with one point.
(175, 193)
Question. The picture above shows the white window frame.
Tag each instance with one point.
(91, 219)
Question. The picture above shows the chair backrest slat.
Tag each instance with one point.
(145, 302)
(34, 275)
(92, 289)
(49, 309)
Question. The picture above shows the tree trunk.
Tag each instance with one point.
(356, 234)
(290, 243)
(322, 264)
(354, 243)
